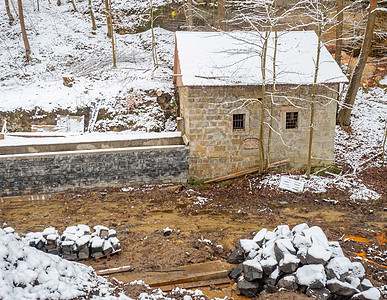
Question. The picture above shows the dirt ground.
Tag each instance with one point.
(221, 213)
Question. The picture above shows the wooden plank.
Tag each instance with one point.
(115, 270)
(196, 284)
(190, 273)
(245, 172)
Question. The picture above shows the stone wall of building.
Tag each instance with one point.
(72, 170)
(216, 149)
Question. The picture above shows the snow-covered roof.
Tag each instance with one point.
(233, 58)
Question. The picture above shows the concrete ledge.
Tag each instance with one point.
(90, 145)
(88, 152)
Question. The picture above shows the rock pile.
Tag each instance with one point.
(76, 242)
(300, 259)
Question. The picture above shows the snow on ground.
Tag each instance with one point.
(12, 140)
(368, 125)
(27, 273)
(63, 44)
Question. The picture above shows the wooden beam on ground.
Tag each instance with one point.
(201, 272)
(196, 284)
(115, 270)
(245, 172)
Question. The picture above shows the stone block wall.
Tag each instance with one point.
(216, 149)
(63, 171)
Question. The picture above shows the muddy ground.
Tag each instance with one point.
(222, 213)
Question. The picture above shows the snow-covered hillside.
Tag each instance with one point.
(63, 44)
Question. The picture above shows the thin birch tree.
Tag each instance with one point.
(23, 30)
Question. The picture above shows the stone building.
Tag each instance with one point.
(218, 79)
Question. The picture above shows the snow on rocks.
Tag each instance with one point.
(76, 242)
(26, 273)
(300, 259)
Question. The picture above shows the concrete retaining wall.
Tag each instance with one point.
(43, 173)
(55, 147)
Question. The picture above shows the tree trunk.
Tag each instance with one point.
(154, 51)
(221, 15)
(344, 116)
(339, 31)
(73, 3)
(92, 16)
(273, 91)
(311, 124)
(58, 3)
(189, 15)
(261, 128)
(108, 19)
(111, 33)
(23, 29)
(10, 17)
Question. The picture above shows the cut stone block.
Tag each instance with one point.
(338, 267)
(316, 234)
(357, 270)
(248, 288)
(300, 241)
(288, 283)
(236, 257)
(268, 265)
(284, 231)
(248, 245)
(289, 263)
(235, 272)
(283, 246)
(318, 254)
(366, 284)
(336, 249)
(312, 276)
(371, 294)
(273, 277)
(341, 288)
(252, 270)
(260, 236)
(298, 229)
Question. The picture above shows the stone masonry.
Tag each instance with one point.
(216, 149)
(42, 173)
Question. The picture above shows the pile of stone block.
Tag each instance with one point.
(300, 259)
(76, 242)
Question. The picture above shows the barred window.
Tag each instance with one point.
(291, 120)
(238, 122)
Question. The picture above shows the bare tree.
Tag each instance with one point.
(110, 28)
(108, 19)
(189, 15)
(10, 17)
(23, 30)
(339, 31)
(73, 3)
(92, 16)
(154, 50)
(221, 15)
(344, 116)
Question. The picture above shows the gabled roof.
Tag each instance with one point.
(233, 58)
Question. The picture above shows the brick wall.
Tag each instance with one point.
(63, 171)
(216, 150)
